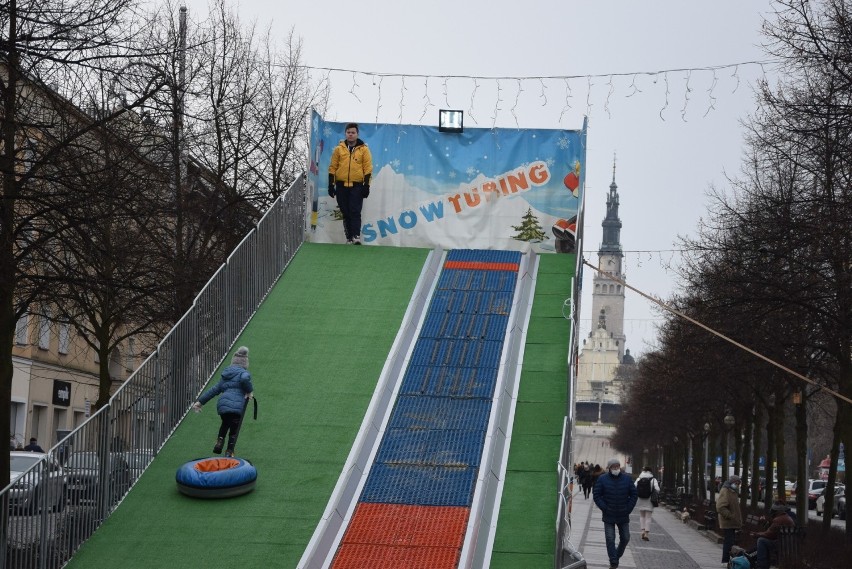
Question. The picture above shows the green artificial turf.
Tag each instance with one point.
(525, 527)
(317, 347)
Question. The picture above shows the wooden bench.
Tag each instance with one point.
(754, 522)
(692, 508)
(710, 514)
(789, 539)
(751, 523)
(671, 500)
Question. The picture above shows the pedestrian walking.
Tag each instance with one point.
(647, 488)
(730, 515)
(615, 495)
(588, 480)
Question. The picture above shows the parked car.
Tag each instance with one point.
(138, 460)
(84, 471)
(815, 490)
(839, 491)
(33, 475)
(789, 490)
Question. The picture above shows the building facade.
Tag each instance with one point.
(55, 379)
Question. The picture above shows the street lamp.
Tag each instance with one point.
(729, 423)
(600, 395)
(676, 463)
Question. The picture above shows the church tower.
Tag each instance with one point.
(608, 295)
(598, 394)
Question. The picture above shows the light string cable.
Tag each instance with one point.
(677, 312)
(733, 66)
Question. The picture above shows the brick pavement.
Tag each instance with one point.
(672, 545)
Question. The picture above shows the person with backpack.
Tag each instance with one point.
(730, 515)
(647, 488)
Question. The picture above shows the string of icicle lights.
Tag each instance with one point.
(509, 89)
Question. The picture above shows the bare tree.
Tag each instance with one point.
(110, 282)
(48, 46)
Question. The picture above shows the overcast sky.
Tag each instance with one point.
(675, 134)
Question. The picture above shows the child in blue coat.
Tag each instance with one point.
(235, 388)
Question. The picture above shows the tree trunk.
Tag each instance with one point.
(770, 458)
(745, 449)
(801, 448)
(757, 439)
(711, 459)
(8, 275)
(781, 467)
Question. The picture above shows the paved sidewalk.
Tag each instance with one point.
(672, 544)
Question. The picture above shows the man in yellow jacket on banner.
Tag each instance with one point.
(349, 180)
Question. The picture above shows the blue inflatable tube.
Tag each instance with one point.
(216, 477)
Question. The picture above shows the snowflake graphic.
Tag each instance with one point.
(410, 167)
(471, 171)
(326, 132)
(452, 175)
(550, 162)
(395, 164)
(563, 143)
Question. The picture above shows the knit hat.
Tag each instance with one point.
(778, 507)
(734, 479)
(611, 462)
(241, 358)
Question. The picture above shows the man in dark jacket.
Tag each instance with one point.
(615, 495)
(33, 446)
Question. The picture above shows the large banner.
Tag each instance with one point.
(507, 189)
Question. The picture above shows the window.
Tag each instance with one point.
(64, 338)
(21, 330)
(38, 422)
(17, 418)
(44, 330)
(130, 357)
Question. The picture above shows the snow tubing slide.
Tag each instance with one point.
(216, 477)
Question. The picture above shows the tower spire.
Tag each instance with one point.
(611, 223)
(613, 167)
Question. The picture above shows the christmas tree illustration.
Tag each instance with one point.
(529, 229)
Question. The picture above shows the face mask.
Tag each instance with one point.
(736, 487)
(616, 471)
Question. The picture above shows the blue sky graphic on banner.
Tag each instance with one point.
(509, 189)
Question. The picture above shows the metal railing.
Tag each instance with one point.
(65, 494)
(566, 554)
